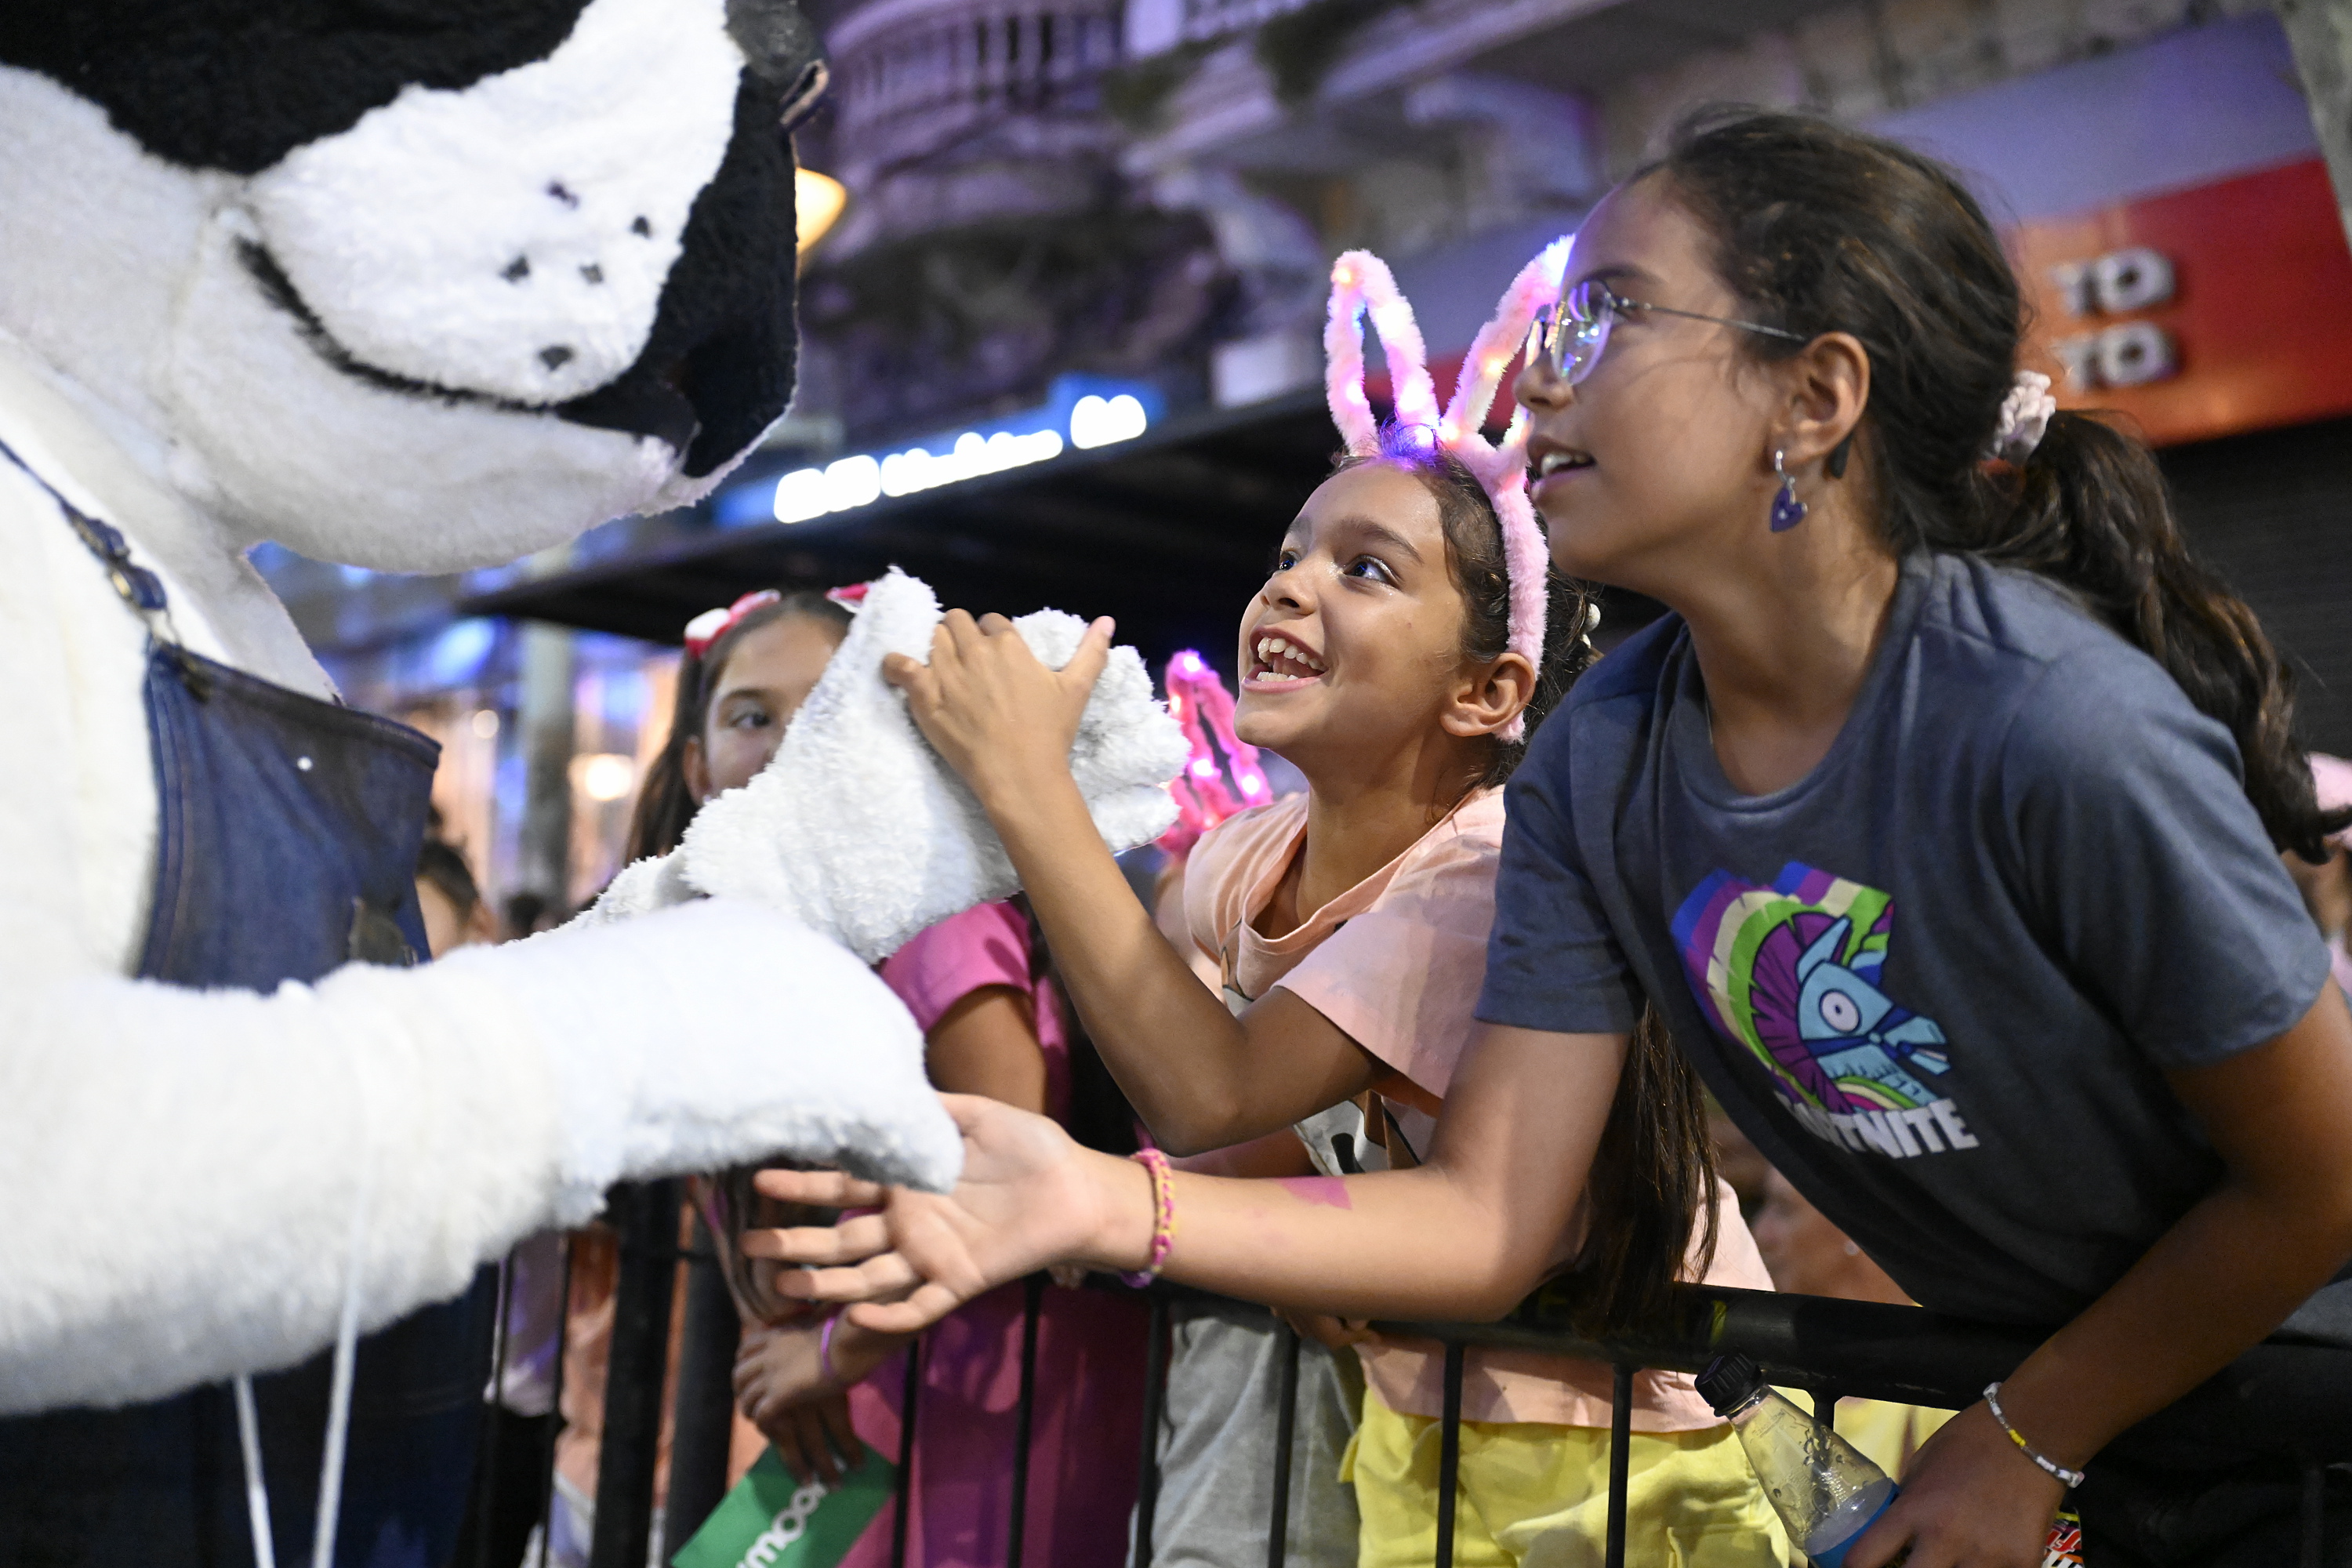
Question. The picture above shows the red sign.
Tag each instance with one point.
(2220, 309)
(2223, 307)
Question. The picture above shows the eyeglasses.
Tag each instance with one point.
(1572, 334)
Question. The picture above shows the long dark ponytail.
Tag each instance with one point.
(1819, 228)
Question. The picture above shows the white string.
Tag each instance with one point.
(256, 1490)
(339, 1403)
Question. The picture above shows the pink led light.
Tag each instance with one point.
(1206, 792)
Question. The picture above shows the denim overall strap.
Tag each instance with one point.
(286, 843)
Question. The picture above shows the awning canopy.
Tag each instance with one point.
(1171, 532)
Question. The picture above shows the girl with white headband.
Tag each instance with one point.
(1938, 822)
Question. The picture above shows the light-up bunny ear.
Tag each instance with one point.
(1526, 558)
(1361, 282)
(1495, 350)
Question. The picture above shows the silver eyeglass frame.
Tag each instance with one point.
(1572, 335)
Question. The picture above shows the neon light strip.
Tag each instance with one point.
(853, 482)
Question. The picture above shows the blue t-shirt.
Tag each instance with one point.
(1937, 980)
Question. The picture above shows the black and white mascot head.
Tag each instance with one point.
(413, 285)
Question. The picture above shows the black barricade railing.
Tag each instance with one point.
(703, 1408)
(1033, 1302)
(1285, 1429)
(2287, 1398)
(486, 1446)
(646, 1217)
(562, 1353)
(903, 1510)
(1449, 1454)
(1155, 1405)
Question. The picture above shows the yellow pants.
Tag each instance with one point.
(1535, 1496)
(1889, 1436)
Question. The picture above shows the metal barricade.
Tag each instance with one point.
(646, 1215)
(2288, 1398)
(2284, 1398)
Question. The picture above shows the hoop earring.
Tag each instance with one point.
(1787, 509)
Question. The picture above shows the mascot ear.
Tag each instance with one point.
(776, 39)
(781, 49)
(236, 85)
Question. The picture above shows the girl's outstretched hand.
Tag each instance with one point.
(782, 1388)
(990, 707)
(1969, 1501)
(1029, 1197)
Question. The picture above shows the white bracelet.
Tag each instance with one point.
(2070, 1478)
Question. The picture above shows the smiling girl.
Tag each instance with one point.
(1938, 821)
(1351, 938)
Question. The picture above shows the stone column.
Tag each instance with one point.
(544, 720)
(2321, 32)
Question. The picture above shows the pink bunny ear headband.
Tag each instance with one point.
(1361, 284)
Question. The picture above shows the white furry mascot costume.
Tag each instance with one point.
(413, 285)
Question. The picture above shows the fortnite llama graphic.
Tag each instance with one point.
(1790, 972)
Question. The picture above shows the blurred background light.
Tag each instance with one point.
(817, 201)
(605, 776)
(1100, 421)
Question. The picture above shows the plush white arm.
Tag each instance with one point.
(860, 830)
(182, 1169)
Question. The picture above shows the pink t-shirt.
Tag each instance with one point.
(986, 945)
(1092, 1345)
(1396, 961)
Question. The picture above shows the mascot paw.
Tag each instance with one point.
(721, 1034)
(860, 831)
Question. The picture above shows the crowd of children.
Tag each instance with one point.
(1932, 845)
(1937, 829)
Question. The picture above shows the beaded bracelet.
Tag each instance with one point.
(825, 1347)
(1163, 1217)
(2070, 1478)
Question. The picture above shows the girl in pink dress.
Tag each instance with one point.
(995, 1024)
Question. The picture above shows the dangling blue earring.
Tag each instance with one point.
(1787, 509)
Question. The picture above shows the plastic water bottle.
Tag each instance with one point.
(1826, 1493)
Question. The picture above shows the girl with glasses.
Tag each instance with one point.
(1939, 823)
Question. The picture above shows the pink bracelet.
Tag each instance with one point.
(825, 1348)
(1163, 1217)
